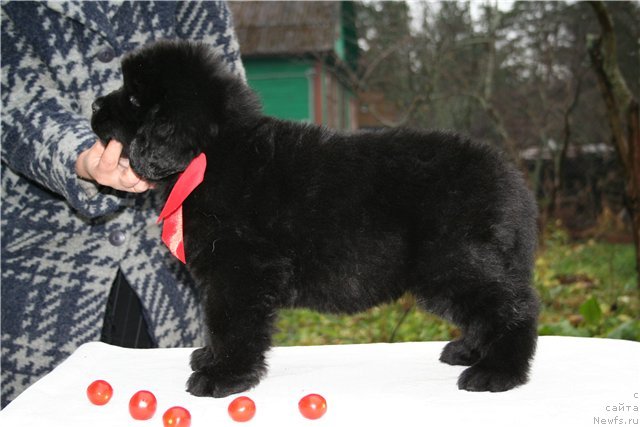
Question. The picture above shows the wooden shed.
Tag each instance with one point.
(296, 56)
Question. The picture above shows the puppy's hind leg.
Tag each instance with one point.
(498, 318)
(501, 321)
(506, 352)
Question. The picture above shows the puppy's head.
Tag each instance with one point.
(174, 98)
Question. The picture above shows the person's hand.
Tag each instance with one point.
(104, 166)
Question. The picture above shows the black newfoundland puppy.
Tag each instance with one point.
(297, 215)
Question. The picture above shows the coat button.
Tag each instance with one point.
(117, 238)
(106, 55)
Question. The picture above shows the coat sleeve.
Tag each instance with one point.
(210, 22)
(42, 131)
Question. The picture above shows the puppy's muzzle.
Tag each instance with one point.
(97, 105)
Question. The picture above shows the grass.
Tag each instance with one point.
(586, 288)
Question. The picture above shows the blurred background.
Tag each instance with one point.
(554, 84)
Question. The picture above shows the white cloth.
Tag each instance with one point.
(573, 382)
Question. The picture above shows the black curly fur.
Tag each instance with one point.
(297, 215)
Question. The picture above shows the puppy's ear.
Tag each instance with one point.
(168, 141)
(181, 126)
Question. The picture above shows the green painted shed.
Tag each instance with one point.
(298, 56)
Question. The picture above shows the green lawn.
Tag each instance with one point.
(586, 288)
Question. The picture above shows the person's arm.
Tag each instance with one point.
(211, 23)
(43, 130)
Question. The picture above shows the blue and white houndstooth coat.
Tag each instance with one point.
(64, 239)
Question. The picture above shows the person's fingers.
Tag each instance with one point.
(123, 162)
(88, 159)
(96, 149)
(111, 156)
(140, 187)
(129, 180)
(106, 167)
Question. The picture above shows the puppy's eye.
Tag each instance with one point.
(134, 101)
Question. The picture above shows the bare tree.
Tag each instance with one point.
(623, 114)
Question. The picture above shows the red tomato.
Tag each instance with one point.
(99, 392)
(312, 406)
(142, 405)
(242, 409)
(176, 416)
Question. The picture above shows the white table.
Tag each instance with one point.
(574, 382)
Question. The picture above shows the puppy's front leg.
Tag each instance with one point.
(241, 286)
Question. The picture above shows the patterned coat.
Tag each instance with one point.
(63, 239)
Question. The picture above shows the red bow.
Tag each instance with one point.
(172, 230)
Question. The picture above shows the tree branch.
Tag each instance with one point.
(622, 108)
(404, 119)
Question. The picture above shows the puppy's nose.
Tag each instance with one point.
(97, 104)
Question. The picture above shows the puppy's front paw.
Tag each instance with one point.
(458, 353)
(202, 383)
(201, 358)
(222, 380)
(218, 381)
(481, 378)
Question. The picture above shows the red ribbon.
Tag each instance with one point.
(172, 229)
